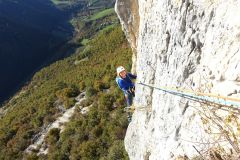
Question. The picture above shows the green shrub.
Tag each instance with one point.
(93, 117)
(82, 85)
(116, 151)
(89, 150)
(106, 102)
(97, 131)
(98, 85)
(85, 53)
(87, 102)
(53, 136)
(68, 103)
(90, 91)
(67, 93)
(32, 156)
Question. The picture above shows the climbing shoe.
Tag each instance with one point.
(129, 109)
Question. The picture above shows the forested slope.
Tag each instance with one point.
(99, 134)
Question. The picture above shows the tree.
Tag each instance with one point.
(117, 151)
(53, 136)
(90, 91)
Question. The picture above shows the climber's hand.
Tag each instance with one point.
(132, 90)
(129, 92)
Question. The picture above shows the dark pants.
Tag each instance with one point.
(129, 99)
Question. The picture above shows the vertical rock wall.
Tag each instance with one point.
(128, 14)
(191, 44)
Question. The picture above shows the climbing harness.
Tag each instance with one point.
(129, 109)
(198, 96)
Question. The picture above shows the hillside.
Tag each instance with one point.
(31, 33)
(98, 134)
(37, 33)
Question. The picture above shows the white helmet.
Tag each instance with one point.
(120, 69)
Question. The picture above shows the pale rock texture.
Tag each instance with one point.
(191, 44)
(129, 18)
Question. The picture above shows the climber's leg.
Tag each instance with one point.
(129, 117)
(129, 99)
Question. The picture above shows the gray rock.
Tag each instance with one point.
(191, 44)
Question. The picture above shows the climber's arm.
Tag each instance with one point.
(132, 76)
(123, 86)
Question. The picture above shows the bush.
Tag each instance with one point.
(68, 103)
(117, 151)
(97, 131)
(67, 93)
(98, 85)
(85, 53)
(53, 136)
(106, 102)
(87, 102)
(89, 150)
(90, 91)
(32, 156)
(93, 117)
(82, 85)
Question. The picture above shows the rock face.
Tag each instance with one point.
(191, 44)
(128, 14)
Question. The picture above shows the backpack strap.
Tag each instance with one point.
(117, 80)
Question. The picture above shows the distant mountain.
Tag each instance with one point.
(30, 33)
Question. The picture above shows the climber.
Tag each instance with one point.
(124, 81)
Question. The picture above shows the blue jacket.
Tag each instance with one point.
(125, 83)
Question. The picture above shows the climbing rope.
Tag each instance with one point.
(198, 96)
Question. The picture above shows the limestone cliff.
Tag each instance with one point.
(128, 14)
(193, 45)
